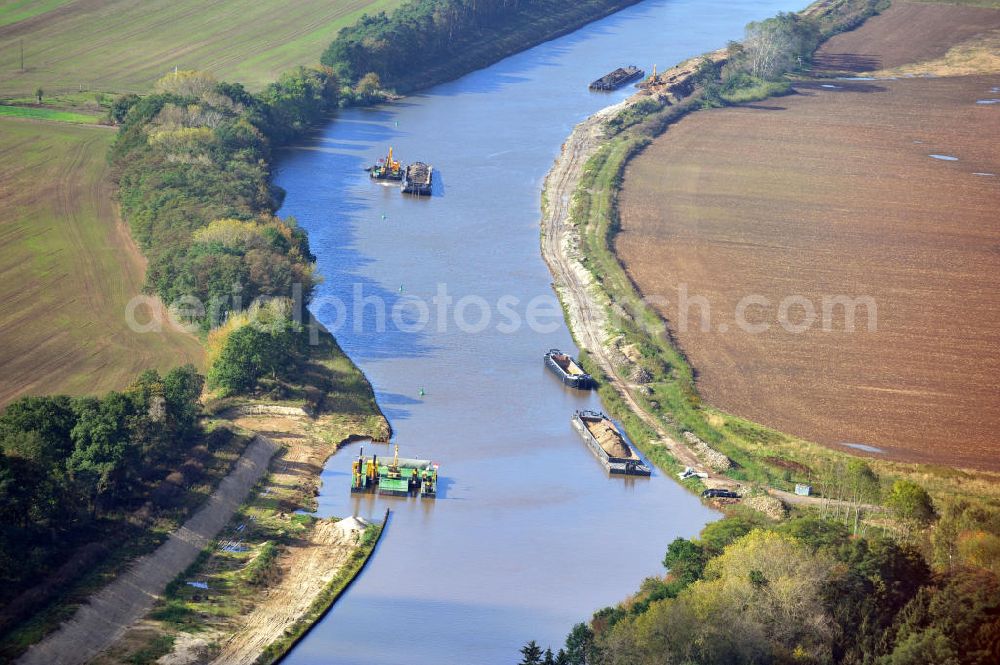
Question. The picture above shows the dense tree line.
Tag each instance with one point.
(803, 591)
(193, 167)
(453, 35)
(68, 463)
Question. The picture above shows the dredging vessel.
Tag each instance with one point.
(400, 477)
(617, 78)
(417, 179)
(386, 169)
(608, 444)
(568, 370)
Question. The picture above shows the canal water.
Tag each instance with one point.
(529, 534)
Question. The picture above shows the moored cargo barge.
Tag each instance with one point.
(618, 78)
(608, 444)
(568, 370)
(417, 179)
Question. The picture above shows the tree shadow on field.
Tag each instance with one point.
(846, 62)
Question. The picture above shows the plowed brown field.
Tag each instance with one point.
(908, 32)
(828, 192)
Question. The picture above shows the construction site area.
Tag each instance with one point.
(400, 477)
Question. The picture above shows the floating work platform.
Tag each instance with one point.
(568, 370)
(417, 179)
(386, 169)
(608, 444)
(617, 78)
(400, 477)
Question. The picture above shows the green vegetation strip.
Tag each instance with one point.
(48, 114)
(277, 650)
(20, 10)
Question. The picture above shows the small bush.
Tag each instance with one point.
(756, 92)
(263, 567)
(160, 646)
(175, 612)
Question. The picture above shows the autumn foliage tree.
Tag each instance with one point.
(262, 342)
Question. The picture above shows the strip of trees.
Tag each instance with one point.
(192, 162)
(758, 66)
(427, 41)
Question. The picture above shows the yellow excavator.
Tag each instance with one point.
(394, 473)
(387, 169)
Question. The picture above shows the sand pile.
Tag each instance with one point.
(352, 525)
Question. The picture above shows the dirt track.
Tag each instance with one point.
(586, 315)
(103, 620)
(304, 575)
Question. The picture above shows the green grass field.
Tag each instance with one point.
(68, 268)
(125, 45)
(48, 114)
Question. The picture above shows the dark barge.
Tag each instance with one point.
(568, 370)
(608, 444)
(618, 78)
(417, 179)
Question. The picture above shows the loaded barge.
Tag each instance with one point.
(608, 444)
(568, 370)
(417, 179)
(401, 477)
(617, 78)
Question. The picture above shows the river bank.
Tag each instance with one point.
(262, 581)
(239, 546)
(587, 306)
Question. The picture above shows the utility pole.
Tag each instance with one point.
(22, 54)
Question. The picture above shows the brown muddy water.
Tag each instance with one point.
(529, 534)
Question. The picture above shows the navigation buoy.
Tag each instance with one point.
(421, 391)
(397, 123)
(383, 217)
(400, 288)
